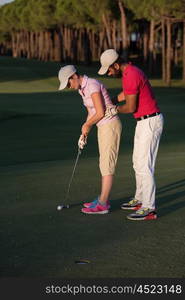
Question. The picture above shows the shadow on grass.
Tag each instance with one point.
(116, 204)
(171, 186)
(161, 200)
(56, 240)
(165, 200)
(173, 207)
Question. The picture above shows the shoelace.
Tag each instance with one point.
(141, 211)
(133, 201)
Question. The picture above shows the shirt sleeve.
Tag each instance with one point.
(131, 83)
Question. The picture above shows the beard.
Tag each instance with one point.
(118, 74)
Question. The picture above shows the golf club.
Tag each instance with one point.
(63, 205)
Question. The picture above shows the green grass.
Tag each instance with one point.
(39, 131)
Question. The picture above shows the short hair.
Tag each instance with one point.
(76, 73)
(120, 61)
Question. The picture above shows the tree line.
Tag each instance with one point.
(80, 30)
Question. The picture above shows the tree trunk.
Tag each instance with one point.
(41, 45)
(62, 33)
(36, 45)
(105, 43)
(145, 45)
(151, 46)
(68, 44)
(33, 44)
(106, 23)
(14, 44)
(163, 50)
(80, 45)
(18, 44)
(123, 31)
(168, 53)
(114, 34)
(57, 47)
(176, 54)
(74, 45)
(25, 43)
(28, 45)
(47, 45)
(65, 43)
(96, 45)
(93, 44)
(101, 40)
(118, 41)
(87, 48)
(183, 75)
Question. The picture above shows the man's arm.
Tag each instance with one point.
(130, 105)
(119, 98)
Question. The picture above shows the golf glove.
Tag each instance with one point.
(111, 111)
(82, 141)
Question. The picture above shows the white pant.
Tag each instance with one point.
(146, 143)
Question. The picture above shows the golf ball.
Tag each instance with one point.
(59, 207)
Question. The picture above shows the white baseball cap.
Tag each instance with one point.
(107, 58)
(64, 74)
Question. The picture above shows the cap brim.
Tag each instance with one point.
(103, 70)
(63, 85)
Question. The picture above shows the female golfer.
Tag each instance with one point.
(96, 99)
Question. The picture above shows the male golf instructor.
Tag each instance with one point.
(140, 101)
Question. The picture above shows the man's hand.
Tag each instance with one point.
(111, 111)
(115, 100)
(82, 141)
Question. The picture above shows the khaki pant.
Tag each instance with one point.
(108, 142)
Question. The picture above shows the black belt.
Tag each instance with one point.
(148, 116)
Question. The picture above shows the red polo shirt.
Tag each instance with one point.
(135, 82)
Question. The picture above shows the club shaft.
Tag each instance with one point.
(71, 179)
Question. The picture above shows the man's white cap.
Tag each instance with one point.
(64, 74)
(107, 58)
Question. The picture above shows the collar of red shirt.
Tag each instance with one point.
(127, 66)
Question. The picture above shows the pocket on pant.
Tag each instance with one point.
(156, 124)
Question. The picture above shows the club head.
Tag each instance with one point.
(60, 207)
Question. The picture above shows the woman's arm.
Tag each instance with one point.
(100, 111)
(88, 114)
